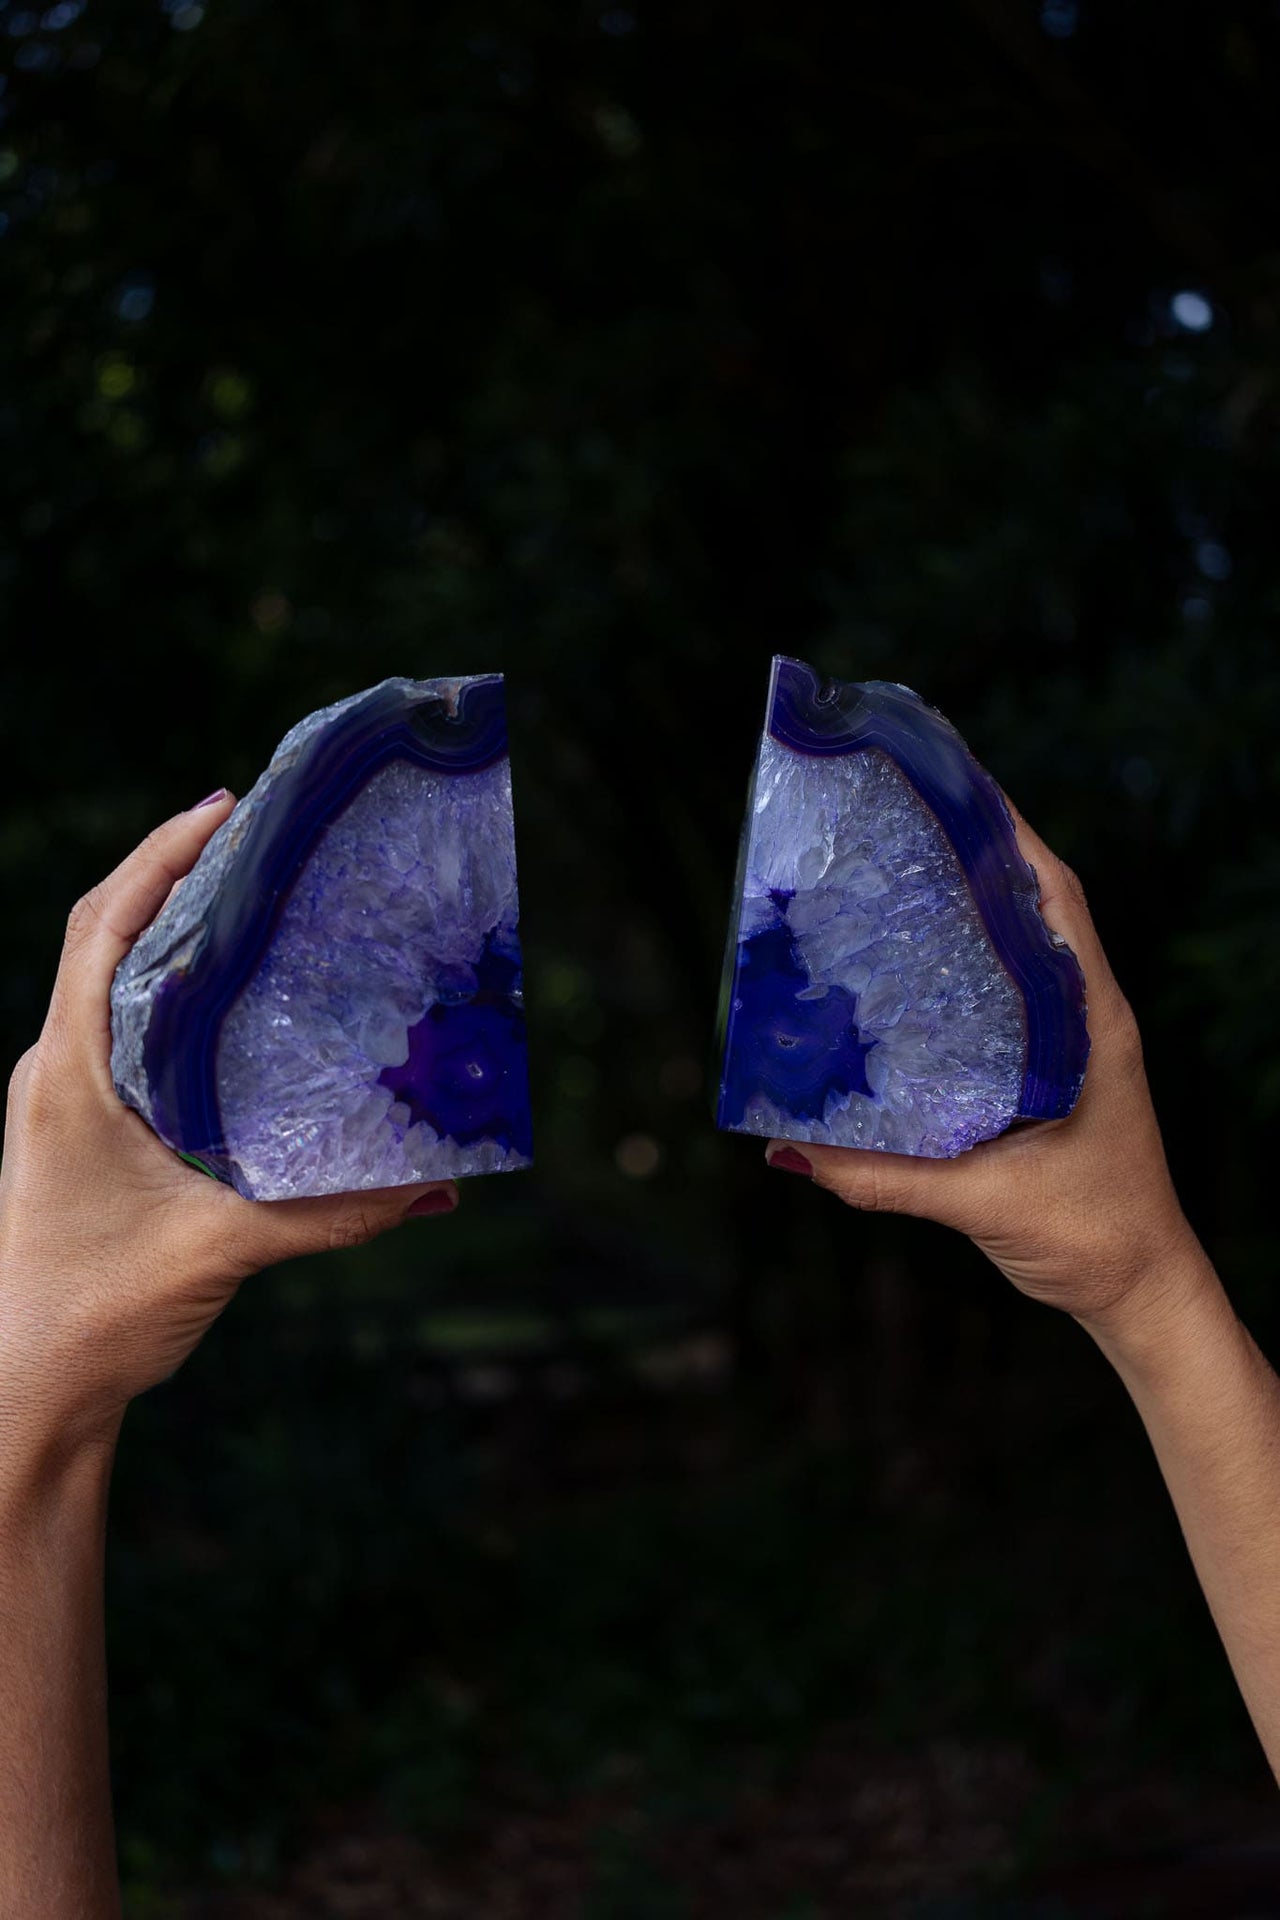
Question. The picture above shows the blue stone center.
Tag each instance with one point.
(466, 1073)
(797, 1052)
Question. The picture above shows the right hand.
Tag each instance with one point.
(1081, 1212)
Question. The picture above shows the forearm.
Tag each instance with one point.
(1211, 1407)
(57, 1852)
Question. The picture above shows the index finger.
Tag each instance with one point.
(1063, 907)
(105, 923)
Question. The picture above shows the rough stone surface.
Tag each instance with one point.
(332, 999)
(889, 981)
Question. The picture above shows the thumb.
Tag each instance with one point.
(257, 1233)
(948, 1191)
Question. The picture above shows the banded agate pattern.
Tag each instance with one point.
(889, 981)
(332, 999)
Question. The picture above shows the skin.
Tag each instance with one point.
(115, 1258)
(1081, 1214)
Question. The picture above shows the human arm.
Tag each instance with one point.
(115, 1258)
(1081, 1213)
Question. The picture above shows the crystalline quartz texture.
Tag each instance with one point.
(371, 924)
(396, 937)
(867, 1006)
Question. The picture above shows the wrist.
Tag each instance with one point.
(55, 1417)
(1176, 1301)
(47, 1459)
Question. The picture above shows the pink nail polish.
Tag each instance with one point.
(438, 1202)
(789, 1161)
(209, 799)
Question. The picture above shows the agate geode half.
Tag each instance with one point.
(331, 999)
(889, 980)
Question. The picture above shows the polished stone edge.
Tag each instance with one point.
(173, 989)
(725, 1019)
(830, 717)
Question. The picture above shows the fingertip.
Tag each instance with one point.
(440, 1199)
(786, 1158)
(207, 815)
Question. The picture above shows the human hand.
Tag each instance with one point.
(115, 1257)
(1079, 1212)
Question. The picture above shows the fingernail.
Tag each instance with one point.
(790, 1161)
(209, 799)
(441, 1201)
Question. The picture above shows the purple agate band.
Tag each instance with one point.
(827, 718)
(464, 734)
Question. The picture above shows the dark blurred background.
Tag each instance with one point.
(656, 1540)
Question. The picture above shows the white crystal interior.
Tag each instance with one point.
(883, 909)
(405, 883)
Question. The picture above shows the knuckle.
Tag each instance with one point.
(19, 1089)
(1127, 1037)
(1072, 885)
(868, 1186)
(85, 917)
(32, 1089)
(154, 847)
(20, 1079)
(884, 1190)
(351, 1229)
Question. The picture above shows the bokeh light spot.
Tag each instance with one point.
(1213, 560)
(1191, 311)
(271, 612)
(619, 134)
(116, 378)
(136, 297)
(230, 393)
(638, 1155)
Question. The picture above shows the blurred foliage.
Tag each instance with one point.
(617, 349)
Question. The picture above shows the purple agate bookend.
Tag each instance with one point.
(331, 999)
(889, 981)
